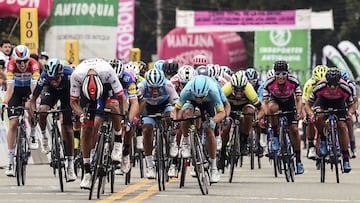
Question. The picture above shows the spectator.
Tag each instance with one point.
(5, 51)
(43, 58)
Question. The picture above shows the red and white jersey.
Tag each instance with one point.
(175, 80)
(103, 69)
(23, 78)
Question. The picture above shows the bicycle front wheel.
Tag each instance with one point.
(160, 165)
(59, 153)
(97, 163)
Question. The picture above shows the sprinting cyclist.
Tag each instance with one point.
(201, 92)
(87, 86)
(55, 84)
(318, 74)
(156, 95)
(22, 75)
(199, 60)
(170, 68)
(253, 77)
(332, 92)
(283, 92)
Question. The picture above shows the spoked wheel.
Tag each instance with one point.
(160, 162)
(252, 148)
(198, 161)
(112, 177)
(322, 169)
(141, 163)
(20, 170)
(97, 164)
(183, 166)
(59, 153)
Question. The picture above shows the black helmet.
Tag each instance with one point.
(333, 76)
(170, 67)
(281, 66)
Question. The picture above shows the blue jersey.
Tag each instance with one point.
(167, 93)
(214, 97)
(259, 88)
(43, 81)
(128, 82)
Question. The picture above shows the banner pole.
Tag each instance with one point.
(13, 27)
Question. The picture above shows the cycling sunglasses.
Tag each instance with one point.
(53, 78)
(238, 89)
(281, 73)
(20, 61)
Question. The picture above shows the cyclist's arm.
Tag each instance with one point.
(227, 107)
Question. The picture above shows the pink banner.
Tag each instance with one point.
(126, 27)
(11, 8)
(224, 48)
(245, 17)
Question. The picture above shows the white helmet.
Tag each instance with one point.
(118, 66)
(270, 73)
(214, 69)
(133, 67)
(186, 73)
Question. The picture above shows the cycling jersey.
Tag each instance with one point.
(287, 90)
(128, 82)
(167, 93)
(249, 95)
(259, 88)
(213, 96)
(322, 90)
(175, 80)
(43, 81)
(103, 69)
(308, 88)
(22, 79)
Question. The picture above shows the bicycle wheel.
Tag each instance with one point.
(198, 160)
(335, 158)
(19, 156)
(104, 169)
(183, 166)
(97, 163)
(252, 148)
(160, 166)
(25, 158)
(322, 169)
(141, 163)
(58, 157)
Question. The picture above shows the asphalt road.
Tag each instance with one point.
(258, 185)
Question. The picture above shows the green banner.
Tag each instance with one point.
(85, 12)
(292, 46)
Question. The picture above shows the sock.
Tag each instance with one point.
(149, 161)
(43, 133)
(213, 164)
(32, 132)
(70, 160)
(11, 156)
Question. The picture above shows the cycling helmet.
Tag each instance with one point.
(92, 87)
(281, 66)
(203, 70)
(155, 78)
(133, 67)
(186, 73)
(200, 60)
(251, 74)
(333, 76)
(200, 87)
(21, 53)
(143, 67)
(226, 69)
(319, 72)
(213, 71)
(344, 74)
(170, 67)
(159, 64)
(118, 66)
(53, 68)
(270, 73)
(239, 79)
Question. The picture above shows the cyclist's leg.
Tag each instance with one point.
(274, 108)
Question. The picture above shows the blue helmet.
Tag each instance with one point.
(251, 74)
(53, 68)
(344, 74)
(159, 64)
(203, 70)
(155, 78)
(200, 86)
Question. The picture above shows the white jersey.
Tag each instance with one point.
(103, 69)
(4, 58)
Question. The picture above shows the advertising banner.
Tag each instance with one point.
(253, 20)
(224, 48)
(335, 57)
(92, 22)
(352, 54)
(12, 7)
(125, 29)
(292, 46)
(29, 29)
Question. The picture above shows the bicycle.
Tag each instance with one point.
(57, 146)
(286, 151)
(162, 158)
(199, 158)
(101, 164)
(333, 146)
(22, 151)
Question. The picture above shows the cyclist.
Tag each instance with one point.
(170, 68)
(253, 77)
(332, 92)
(201, 92)
(283, 92)
(128, 83)
(349, 120)
(318, 74)
(156, 95)
(143, 69)
(22, 75)
(87, 86)
(199, 60)
(242, 97)
(55, 84)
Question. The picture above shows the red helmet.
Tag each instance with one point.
(200, 60)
